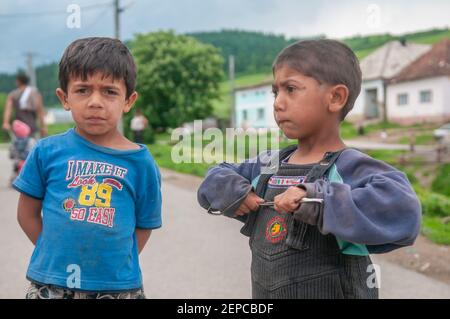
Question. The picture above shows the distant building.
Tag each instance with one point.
(402, 82)
(377, 70)
(57, 116)
(421, 92)
(254, 106)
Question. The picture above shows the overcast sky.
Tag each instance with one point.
(23, 29)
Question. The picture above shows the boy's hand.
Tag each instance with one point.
(289, 201)
(250, 204)
(6, 126)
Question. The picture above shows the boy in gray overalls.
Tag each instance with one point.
(314, 221)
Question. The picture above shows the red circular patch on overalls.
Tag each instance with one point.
(276, 229)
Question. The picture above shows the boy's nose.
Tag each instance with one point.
(95, 100)
(278, 104)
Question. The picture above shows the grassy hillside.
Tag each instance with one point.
(222, 106)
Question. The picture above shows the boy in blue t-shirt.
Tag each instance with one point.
(98, 192)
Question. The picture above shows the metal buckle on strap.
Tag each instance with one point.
(214, 212)
(304, 200)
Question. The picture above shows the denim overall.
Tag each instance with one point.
(291, 259)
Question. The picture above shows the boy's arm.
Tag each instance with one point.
(227, 185)
(41, 114)
(29, 216)
(142, 236)
(375, 206)
(7, 113)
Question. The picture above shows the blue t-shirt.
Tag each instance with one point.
(93, 198)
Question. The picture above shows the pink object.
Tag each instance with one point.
(21, 129)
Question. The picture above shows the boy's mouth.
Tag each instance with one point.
(280, 122)
(95, 119)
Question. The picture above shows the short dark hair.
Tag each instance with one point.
(328, 61)
(84, 57)
(23, 78)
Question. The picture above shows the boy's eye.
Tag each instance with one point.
(111, 92)
(275, 93)
(290, 88)
(81, 91)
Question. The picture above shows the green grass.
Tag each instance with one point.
(435, 207)
(361, 54)
(4, 138)
(162, 155)
(388, 156)
(52, 130)
(441, 183)
(430, 39)
(59, 128)
(436, 230)
(252, 79)
(348, 131)
(422, 139)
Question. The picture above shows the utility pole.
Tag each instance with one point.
(117, 12)
(30, 69)
(232, 87)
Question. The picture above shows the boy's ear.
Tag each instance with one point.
(130, 102)
(338, 98)
(62, 96)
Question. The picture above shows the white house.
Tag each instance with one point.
(402, 82)
(421, 92)
(377, 69)
(254, 106)
(57, 116)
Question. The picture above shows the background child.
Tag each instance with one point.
(99, 193)
(332, 205)
(138, 124)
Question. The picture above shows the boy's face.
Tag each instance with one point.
(300, 106)
(96, 104)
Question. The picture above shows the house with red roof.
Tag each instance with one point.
(421, 91)
(378, 68)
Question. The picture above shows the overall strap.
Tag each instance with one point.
(320, 169)
(295, 237)
(261, 186)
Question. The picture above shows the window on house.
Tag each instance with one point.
(261, 114)
(402, 99)
(244, 115)
(425, 96)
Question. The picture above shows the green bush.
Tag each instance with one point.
(149, 136)
(441, 183)
(435, 230)
(433, 204)
(3, 135)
